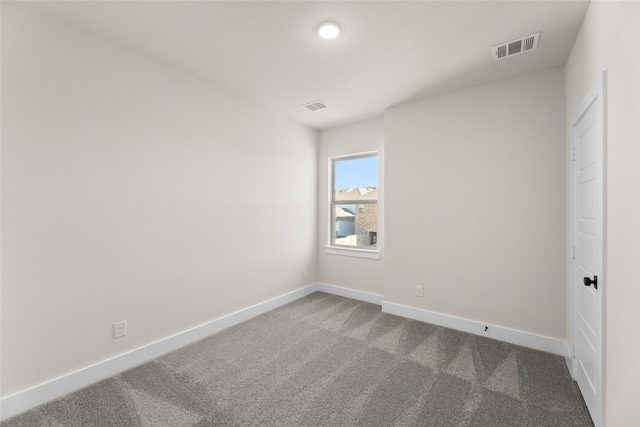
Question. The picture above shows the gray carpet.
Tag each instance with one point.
(326, 360)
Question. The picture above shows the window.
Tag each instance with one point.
(354, 201)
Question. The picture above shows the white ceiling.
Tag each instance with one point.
(389, 52)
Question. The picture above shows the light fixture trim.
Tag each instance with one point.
(329, 30)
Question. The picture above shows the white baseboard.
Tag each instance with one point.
(58, 387)
(568, 358)
(350, 293)
(513, 336)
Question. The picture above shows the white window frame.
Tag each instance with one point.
(332, 248)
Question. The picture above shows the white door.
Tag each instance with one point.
(587, 144)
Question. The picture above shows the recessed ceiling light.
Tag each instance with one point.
(329, 30)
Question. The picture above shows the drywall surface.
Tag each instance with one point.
(607, 27)
(354, 273)
(475, 203)
(134, 192)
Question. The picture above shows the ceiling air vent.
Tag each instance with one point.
(514, 47)
(315, 106)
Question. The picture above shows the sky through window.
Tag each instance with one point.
(359, 172)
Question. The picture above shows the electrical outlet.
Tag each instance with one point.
(120, 329)
(419, 291)
(305, 274)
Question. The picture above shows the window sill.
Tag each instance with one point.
(352, 252)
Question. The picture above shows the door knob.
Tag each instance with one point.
(589, 282)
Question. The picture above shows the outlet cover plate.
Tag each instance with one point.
(120, 329)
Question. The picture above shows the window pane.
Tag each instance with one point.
(354, 205)
(356, 179)
(356, 225)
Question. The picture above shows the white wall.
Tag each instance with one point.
(354, 273)
(475, 203)
(134, 192)
(610, 40)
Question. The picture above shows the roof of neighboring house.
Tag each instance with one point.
(360, 193)
(343, 213)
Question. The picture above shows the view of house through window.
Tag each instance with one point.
(354, 204)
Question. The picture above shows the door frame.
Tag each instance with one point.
(597, 95)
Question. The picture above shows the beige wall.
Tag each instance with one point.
(475, 203)
(354, 273)
(134, 192)
(610, 40)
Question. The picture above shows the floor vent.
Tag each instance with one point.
(515, 47)
(315, 106)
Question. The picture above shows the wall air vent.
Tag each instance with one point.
(515, 47)
(315, 106)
